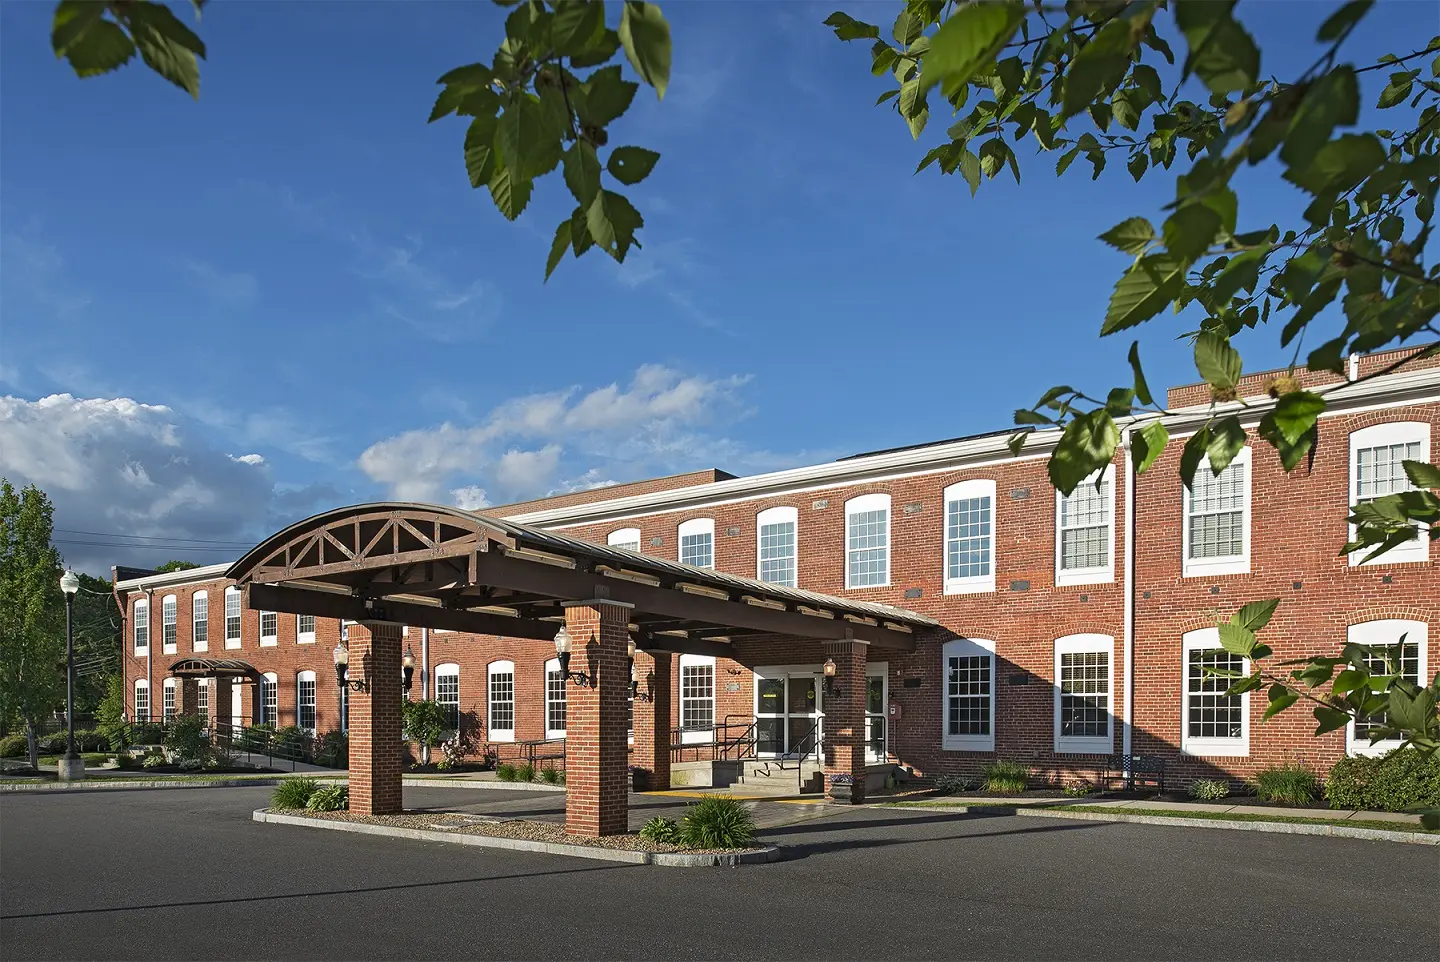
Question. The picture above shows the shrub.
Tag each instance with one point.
(524, 772)
(111, 714)
(1288, 784)
(255, 738)
(953, 784)
(1209, 789)
(154, 760)
(290, 742)
(562, 778)
(293, 793)
(14, 746)
(1079, 789)
(550, 775)
(1390, 783)
(717, 822)
(660, 829)
(425, 722)
(124, 760)
(454, 750)
(1006, 778)
(505, 772)
(331, 798)
(333, 749)
(52, 744)
(187, 740)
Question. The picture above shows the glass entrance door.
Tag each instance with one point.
(787, 712)
(875, 719)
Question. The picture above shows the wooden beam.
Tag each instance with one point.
(683, 646)
(326, 604)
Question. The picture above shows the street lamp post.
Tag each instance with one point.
(72, 766)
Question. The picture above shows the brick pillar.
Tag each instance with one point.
(596, 749)
(375, 719)
(844, 724)
(652, 719)
(256, 709)
(188, 696)
(220, 703)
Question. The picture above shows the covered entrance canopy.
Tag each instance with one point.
(237, 671)
(428, 566)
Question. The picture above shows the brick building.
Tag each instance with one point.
(1020, 645)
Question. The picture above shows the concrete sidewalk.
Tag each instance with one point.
(1156, 804)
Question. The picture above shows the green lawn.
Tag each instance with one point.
(91, 758)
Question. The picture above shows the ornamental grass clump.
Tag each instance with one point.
(1288, 785)
(717, 822)
(505, 772)
(331, 798)
(293, 793)
(953, 784)
(550, 775)
(1209, 789)
(1006, 778)
(661, 829)
(524, 772)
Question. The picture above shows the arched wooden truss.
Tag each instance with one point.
(440, 567)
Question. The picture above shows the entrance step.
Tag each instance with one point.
(705, 774)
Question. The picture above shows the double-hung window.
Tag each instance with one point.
(1377, 468)
(1084, 680)
(554, 700)
(305, 700)
(200, 622)
(970, 537)
(1217, 519)
(1214, 723)
(232, 617)
(1386, 634)
(502, 701)
(202, 698)
(627, 538)
(169, 624)
(167, 699)
(142, 626)
(447, 693)
(867, 541)
(269, 629)
(969, 695)
(697, 698)
(270, 699)
(142, 700)
(697, 542)
(776, 546)
(304, 629)
(1085, 531)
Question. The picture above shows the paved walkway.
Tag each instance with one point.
(1158, 804)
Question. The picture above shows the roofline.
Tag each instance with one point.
(1402, 387)
(168, 578)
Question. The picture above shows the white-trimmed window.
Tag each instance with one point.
(142, 626)
(697, 698)
(1386, 633)
(969, 693)
(200, 622)
(697, 542)
(232, 617)
(502, 701)
(775, 546)
(970, 537)
(1084, 680)
(1085, 531)
(305, 700)
(169, 624)
(554, 700)
(167, 699)
(142, 700)
(1214, 723)
(269, 629)
(867, 541)
(447, 693)
(1377, 456)
(269, 699)
(344, 708)
(202, 698)
(627, 538)
(1217, 519)
(304, 629)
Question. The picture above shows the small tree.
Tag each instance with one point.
(426, 722)
(32, 612)
(111, 714)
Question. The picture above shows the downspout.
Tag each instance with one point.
(425, 664)
(149, 648)
(1128, 720)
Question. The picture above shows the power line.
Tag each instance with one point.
(153, 537)
(158, 547)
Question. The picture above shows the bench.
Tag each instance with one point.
(1143, 769)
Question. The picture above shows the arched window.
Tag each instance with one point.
(1386, 633)
(501, 715)
(447, 693)
(305, 700)
(1377, 468)
(554, 700)
(269, 699)
(232, 617)
(1212, 722)
(142, 700)
(141, 626)
(775, 546)
(968, 709)
(697, 542)
(167, 704)
(867, 541)
(1084, 682)
(627, 538)
(169, 624)
(970, 537)
(200, 621)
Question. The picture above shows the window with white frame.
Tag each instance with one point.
(970, 537)
(202, 698)
(169, 624)
(697, 542)
(447, 693)
(502, 701)
(270, 699)
(969, 692)
(697, 698)
(142, 700)
(304, 629)
(1217, 519)
(1084, 531)
(554, 700)
(269, 629)
(775, 545)
(1084, 680)
(1377, 468)
(167, 699)
(344, 708)
(305, 700)
(1214, 723)
(232, 617)
(627, 538)
(142, 626)
(1386, 634)
(200, 622)
(867, 541)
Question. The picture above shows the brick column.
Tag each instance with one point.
(188, 696)
(596, 749)
(844, 724)
(652, 719)
(375, 719)
(257, 704)
(220, 702)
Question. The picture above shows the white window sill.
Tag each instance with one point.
(1085, 746)
(142, 652)
(502, 736)
(970, 586)
(555, 736)
(1216, 566)
(232, 645)
(882, 584)
(696, 736)
(1216, 748)
(305, 640)
(963, 744)
(1395, 556)
(168, 650)
(1084, 576)
(269, 642)
(1368, 750)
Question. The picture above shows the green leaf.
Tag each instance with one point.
(970, 170)
(599, 50)
(1295, 413)
(166, 57)
(1147, 445)
(101, 48)
(510, 191)
(630, 165)
(580, 239)
(913, 106)
(1139, 163)
(1339, 165)
(1237, 639)
(646, 38)
(1222, 53)
(992, 156)
(1281, 698)
(1087, 445)
(967, 42)
(158, 18)
(907, 29)
(848, 28)
(1227, 437)
(1332, 101)
(1098, 68)
(72, 19)
(582, 172)
(1193, 452)
(558, 247)
(613, 220)
(1349, 680)
(1131, 235)
(1410, 712)
(479, 150)
(1143, 291)
(607, 95)
(1343, 19)
(1329, 719)
(527, 138)
(1142, 389)
(1249, 683)
(470, 75)
(1398, 90)
(1218, 362)
(1190, 231)
(578, 25)
(1257, 614)
(1422, 474)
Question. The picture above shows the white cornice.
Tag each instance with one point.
(171, 578)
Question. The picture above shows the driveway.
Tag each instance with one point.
(186, 874)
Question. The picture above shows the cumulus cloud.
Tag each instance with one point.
(471, 497)
(563, 440)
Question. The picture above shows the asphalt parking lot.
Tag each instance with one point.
(186, 874)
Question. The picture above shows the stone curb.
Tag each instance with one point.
(770, 853)
(1278, 828)
(119, 786)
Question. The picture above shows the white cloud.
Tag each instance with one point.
(249, 458)
(470, 498)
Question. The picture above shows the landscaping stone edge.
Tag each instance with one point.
(1281, 828)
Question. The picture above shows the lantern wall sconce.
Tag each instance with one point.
(635, 691)
(830, 669)
(407, 669)
(342, 670)
(563, 644)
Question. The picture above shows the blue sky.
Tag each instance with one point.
(285, 296)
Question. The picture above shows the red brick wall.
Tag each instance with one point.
(610, 492)
(1256, 385)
